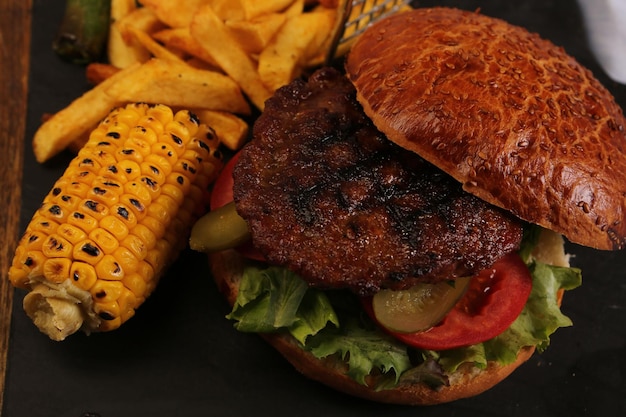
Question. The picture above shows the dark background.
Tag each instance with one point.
(179, 356)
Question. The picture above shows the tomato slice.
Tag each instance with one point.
(494, 299)
(222, 194)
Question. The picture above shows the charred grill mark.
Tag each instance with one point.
(303, 206)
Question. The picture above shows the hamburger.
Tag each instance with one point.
(398, 228)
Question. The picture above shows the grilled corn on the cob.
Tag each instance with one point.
(115, 220)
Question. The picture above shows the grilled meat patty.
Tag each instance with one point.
(328, 196)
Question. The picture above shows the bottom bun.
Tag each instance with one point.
(467, 381)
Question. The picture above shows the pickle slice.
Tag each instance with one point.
(219, 229)
(420, 307)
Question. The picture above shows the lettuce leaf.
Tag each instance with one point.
(275, 298)
(333, 323)
(363, 350)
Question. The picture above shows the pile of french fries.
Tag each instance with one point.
(215, 57)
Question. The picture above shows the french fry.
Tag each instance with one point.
(181, 39)
(142, 19)
(255, 8)
(199, 54)
(316, 51)
(120, 53)
(254, 35)
(233, 130)
(247, 9)
(75, 120)
(179, 85)
(296, 8)
(232, 10)
(97, 72)
(174, 13)
(212, 34)
(157, 50)
(300, 36)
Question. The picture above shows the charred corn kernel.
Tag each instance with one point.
(83, 221)
(91, 161)
(56, 247)
(53, 211)
(135, 205)
(139, 191)
(31, 262)
(130, 169)
(83, 275)
(77, 189)
(151, 185)
(153, 171)
(66, 202)
(109, 269)
(113, 172)
(165, 150)
(142, 138)
(153, 124)
(106, 291)
(94, 208)
(124, 214)
(104, 193)
(87, 251)
(109, 314)
(129, 152)
(118, 216)
(42, 224)
(163, 164)
(33, 240)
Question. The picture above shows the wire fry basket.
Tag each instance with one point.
(354, 16)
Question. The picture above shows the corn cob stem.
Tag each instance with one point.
(115, 220)
(56, 309)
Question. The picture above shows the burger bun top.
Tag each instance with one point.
(511, 116)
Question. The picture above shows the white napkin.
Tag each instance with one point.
(605, 22)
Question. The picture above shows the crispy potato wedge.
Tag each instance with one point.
(232, 130)
(97, 72)
(174, 13)
(254, 8)
(156, 49)
(297, 41)
(120, 53)
(254, 35)
(142, 19)
(213, 35)
(228, 9)
(179, 85)
(181, 39)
